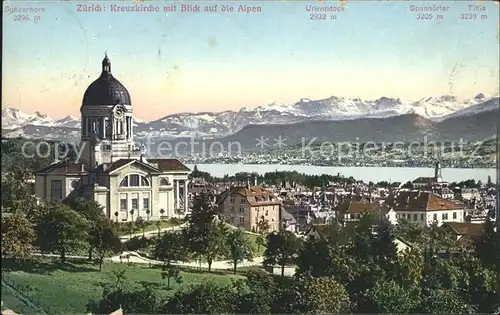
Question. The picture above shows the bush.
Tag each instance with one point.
(137, 243)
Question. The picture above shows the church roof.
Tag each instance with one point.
(166, 165)
(123, 162)
(106, 90)
(63, 167)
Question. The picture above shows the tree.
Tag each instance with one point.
(120, 279)
(204, 298)
(282, 248)
(315, 257)
(131, 302)
(262, 229)
(409, 231)
(215, 244)
(104, 239)
(205, 233)
(169, 272)
(384, 248)
(411, 264)
(131, 228)
(444, 301)
(319, 296)
(486, 246)
(60, 229)
(481, 287)
(158, 227)
(489, 183)
(18, 236)
(170, 248)
(17, 195)
(262, 294)
(141, 225)
(239, 247)
(387, 297)
(93, 212)
(408, 185)
(361, 247)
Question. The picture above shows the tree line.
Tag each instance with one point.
(61, 228)
(349, 269)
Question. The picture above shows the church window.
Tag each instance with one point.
(56, 190)
(124, 182)
(135, 203)
(145, 201)
(163, 182)
(134, 180)
(123, 202)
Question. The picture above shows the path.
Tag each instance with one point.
(152, 233)
(138, 259)
(219, 265)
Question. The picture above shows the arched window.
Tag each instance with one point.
(163, 182)
(124, 182)
(134, 180)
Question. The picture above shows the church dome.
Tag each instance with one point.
(106, 90)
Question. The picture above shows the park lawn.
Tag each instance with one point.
(258, 250)
(68, 289)
(123, 229)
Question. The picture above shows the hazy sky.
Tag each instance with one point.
(179, 61)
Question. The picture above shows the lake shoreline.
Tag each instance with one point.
(354, 166)
(365, 173)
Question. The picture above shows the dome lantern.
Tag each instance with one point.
(106, 64)
(106, 90)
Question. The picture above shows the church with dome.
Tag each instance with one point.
(112, 170)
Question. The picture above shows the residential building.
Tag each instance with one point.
(288, 222)
(470, 193)
(464, 233)
(320, 231)
(428, 183)
(111, 169)
(425, 208)
(350, 211)
(245, 206)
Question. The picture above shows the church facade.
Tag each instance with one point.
(112, 170)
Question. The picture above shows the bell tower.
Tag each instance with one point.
(107, 121)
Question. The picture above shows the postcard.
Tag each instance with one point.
(254, 129)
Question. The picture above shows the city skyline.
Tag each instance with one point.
(174, 62)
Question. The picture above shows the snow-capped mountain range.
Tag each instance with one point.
(219, 124)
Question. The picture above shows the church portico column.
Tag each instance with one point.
(185, 196)
(176, 202)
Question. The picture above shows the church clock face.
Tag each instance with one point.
(119, 114)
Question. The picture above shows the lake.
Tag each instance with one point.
(374, 174)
